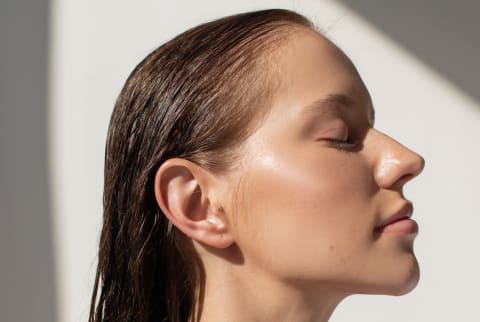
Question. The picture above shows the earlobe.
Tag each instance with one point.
(188, 197)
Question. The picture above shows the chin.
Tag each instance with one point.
(405, 282)
(399, 280)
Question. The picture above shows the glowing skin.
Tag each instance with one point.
(304, 206)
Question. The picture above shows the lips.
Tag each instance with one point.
(399, 222)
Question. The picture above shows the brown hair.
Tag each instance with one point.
(194, 97)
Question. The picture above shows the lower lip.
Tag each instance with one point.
(402, 227)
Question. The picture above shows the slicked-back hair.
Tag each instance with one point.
(195, 97)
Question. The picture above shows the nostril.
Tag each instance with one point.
(417, 166)
(405, 178)
(411, 171)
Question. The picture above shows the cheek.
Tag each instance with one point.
(297, 212)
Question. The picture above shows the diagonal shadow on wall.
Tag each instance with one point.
(27, 291)
(443, 34)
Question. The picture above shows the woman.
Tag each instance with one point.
(244, 181)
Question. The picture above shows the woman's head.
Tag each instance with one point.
(247, 144)
(196, 97)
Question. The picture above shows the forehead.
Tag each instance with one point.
(309, 68)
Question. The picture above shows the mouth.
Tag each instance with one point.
(400, 222)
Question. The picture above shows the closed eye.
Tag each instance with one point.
(342, 144)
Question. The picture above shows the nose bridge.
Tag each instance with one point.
(394, 163)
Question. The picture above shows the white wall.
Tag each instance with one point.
(95, 45)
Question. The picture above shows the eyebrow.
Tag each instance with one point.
(335, 101)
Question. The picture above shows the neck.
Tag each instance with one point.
(242, 293)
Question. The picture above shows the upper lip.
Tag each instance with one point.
(404, 212)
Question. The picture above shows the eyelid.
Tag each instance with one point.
(333, 130)
(339, 136)
(338, 132)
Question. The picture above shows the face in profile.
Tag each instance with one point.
(317, 196)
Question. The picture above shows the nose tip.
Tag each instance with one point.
(421, 164)
(397, 165)
(412, 168)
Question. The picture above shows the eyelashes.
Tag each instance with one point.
(342, 144)
(340, 135)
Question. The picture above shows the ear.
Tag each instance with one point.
(189, 196)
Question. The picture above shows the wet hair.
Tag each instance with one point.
(195, 97)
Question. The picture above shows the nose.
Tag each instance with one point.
(394, 163)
